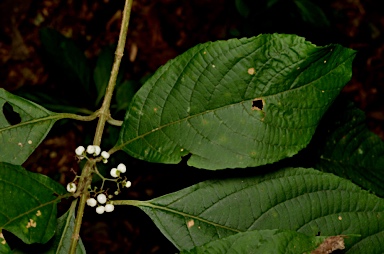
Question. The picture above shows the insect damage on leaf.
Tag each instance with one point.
(258, 104)
(10, 114)
(330, 244)
(190, 223)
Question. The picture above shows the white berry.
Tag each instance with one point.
(80, 150)
(97, 150)
(122, 168)
(101, 198)
(100, 209)
(91, 202)
(109, 208)
(114, 172)
(105, 154)
(91, 149)
(71, 187)
(128, 184)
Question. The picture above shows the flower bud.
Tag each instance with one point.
(71, 187)
(109, 208)
(91, 202)
(80, 150)
(102, 198)
(97, 150)
(114, 172)
(105, 154)
(91, 149)
(122, 168)
(100, 209)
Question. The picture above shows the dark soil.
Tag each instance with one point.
(160, 30)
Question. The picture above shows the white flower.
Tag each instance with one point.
(91, 202)
(122, 168)
(105, 154)
(97, 150)
(71, 187)
(80, 150)
(109, 208)
(128, 184)
(91, 149)
(115, 172)
(102, 198)
(100, 209)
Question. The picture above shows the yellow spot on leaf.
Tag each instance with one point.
(20, 144)
(190, 223)
(325, 61)
(2, 237)
(38, 213)
(340, 218)
(30, 142)
(251, 71)
(31, 223)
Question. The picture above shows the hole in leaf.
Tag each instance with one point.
(257, 104)
(9, 114)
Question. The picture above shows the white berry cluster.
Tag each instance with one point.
(102, 202)
(101, 208)
(93, 150)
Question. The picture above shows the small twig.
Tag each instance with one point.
(114, 122)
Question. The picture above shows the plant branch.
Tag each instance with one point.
(104, 111)
(104, 115)
(115, 122)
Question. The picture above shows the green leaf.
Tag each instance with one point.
(311, 13)
(23, 125)
(28, 203)
(62, 239)
(242, 8)
(303, 200)
(263, 241)
(348, 149)
(235, 103)
(124, 94)
(4, 247)
(65, 56)
(103, 71)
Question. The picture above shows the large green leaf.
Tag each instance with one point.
(68, 60)
(61, 241)
(311, 13)
(349, 149)
(235, 103)
(63, 235)
(28, 203)
(18, 140)
(304, 200)
(103, 71)
(4, 247)
(262, 241)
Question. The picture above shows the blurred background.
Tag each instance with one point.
(58, 53)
